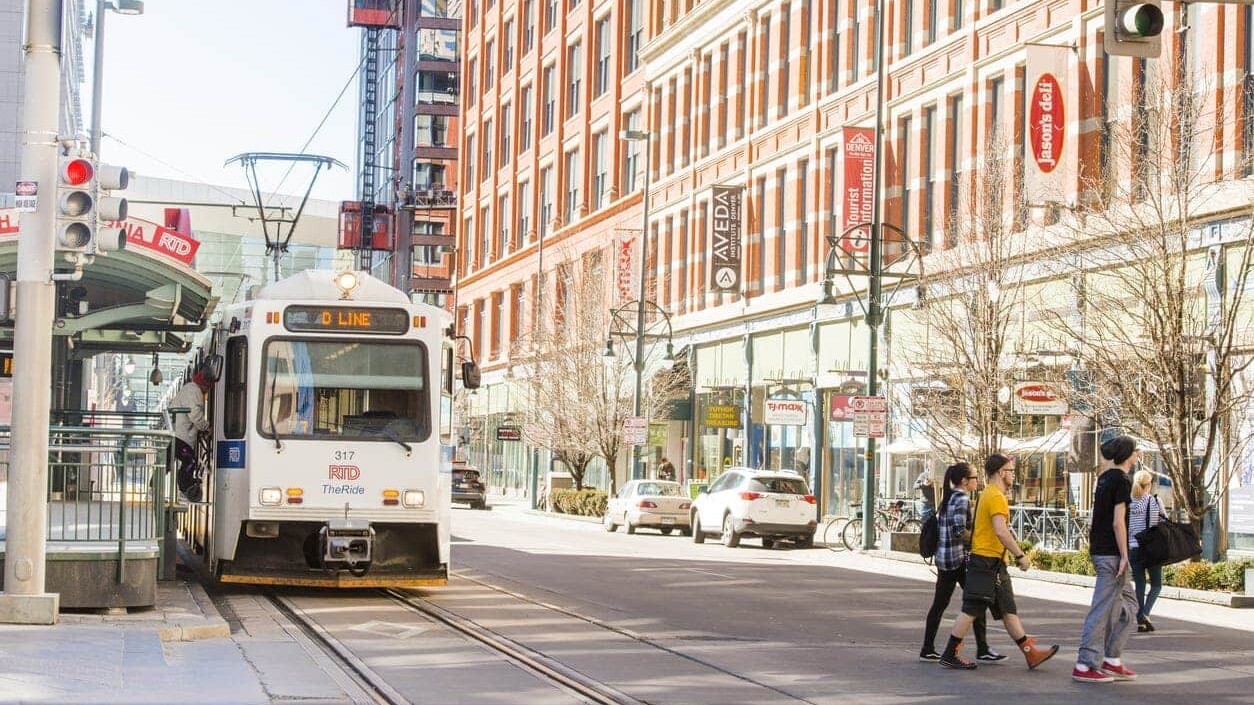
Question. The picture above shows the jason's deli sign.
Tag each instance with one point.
(1038, 399)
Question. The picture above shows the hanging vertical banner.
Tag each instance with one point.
(1046, 166)
(626, 283)
(858, 187)
(725, 239)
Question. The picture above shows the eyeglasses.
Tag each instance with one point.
(1007, 469)
(973, 477)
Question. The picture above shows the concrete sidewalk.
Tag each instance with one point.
(183, 650)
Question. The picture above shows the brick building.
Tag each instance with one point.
(755, 95)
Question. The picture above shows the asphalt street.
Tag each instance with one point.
(791, 623)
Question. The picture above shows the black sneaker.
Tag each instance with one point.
(955, 660)
(195, 493)
(929, 655)
(990, 656)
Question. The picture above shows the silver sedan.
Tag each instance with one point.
(657, 504)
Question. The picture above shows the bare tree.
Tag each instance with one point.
(958, 350)
(1160, 338)
(579, 398)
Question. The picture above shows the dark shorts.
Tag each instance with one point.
(988, 588)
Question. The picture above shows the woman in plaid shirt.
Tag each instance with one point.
(954, 525)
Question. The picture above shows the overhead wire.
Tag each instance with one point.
(166, 164)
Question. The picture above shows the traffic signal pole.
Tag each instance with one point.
(24, 600)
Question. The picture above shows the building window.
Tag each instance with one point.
(435, 8)
(472, 12)
(470, 162)
(546, 200)
(603, 57)
(428, 175)
(431, 130)
(1247, 93)
(803, 215)
(633, 148)
(485, 235)
(437, 45)
(635, 33)
(502, 239)
(907, 27)
(955, 166)
(907, 186)
(524, 123)
(468, 236)
(833, 57)
(472, 72)
(489, 137)
(529, 25)
(742, 91)
(507, 128)
(507, 47)
(764, 98)
(681, 278)
(498, 315)
(996, 4)
(573, 177)
(517, 306)
(489, 65)
(928, 171)
(785, 46)
(855, 42)
(959, 11)
(550, 15)
(761, 278)
(600, 170)
(781, 222)
(996, 86)
(574, 68)
(720, 99)
(550, 102)
(833, 191)
(524, 212)
(933, 10)
(437, 88)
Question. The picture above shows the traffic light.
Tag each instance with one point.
(1132, 28)
(85, 208)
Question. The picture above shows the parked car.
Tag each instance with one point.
(746, 502)
(468, 487)
(657, 504)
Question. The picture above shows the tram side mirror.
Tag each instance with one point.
(212, 368)
(470, 375)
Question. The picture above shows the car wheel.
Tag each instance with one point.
(698, 536)
(685, 531)
(805, 541)
(731, 538)
(610, 526)
(667, 531)
(631, 528)
(768, 544)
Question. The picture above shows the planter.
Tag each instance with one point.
(904, 542)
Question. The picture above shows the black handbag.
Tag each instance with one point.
(1167, 542)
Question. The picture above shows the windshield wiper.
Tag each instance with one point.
(395, 439)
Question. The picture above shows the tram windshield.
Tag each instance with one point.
(345, 389)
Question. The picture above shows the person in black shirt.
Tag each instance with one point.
(1112, 614)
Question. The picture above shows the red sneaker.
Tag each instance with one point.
(1091, 676)
(1122, 673)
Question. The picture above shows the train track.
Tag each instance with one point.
(542, 667)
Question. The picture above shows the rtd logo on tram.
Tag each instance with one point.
(343, 472)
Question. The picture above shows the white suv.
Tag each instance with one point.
(742, 501)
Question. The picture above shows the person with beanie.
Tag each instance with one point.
(987, 584)
(188, 426)
(1112, 614)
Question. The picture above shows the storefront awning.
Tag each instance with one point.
(146, 298)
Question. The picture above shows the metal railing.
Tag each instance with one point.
(1053, 529)
(106, 480)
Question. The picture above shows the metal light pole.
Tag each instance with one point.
(637, 471)
(874, 312)
(24, 600)
(122, 7)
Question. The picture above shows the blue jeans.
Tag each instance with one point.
(1145, 603)
(1112, 615)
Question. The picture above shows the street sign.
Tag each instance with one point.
(26, 196)
(1038, 399)
(635, 430)
(870, 416)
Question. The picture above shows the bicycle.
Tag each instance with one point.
(894, 519)
(833, 526)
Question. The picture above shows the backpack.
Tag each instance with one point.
(929, 537)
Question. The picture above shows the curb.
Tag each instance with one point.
(210, 625)
(559, 515)
(1223, 599)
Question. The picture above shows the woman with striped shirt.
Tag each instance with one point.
(1145, 511)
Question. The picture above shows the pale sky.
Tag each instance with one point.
(195, 82)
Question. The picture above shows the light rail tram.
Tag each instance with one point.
(329, 462)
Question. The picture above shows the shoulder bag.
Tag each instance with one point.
(1167, 542)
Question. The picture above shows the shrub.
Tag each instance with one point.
(1196, 576)
(586, 502)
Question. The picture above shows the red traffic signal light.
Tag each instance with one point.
(77, 172)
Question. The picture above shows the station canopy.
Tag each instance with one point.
(146, 298)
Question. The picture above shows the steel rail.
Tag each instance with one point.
(546, 668)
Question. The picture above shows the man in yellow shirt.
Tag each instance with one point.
(988, 581)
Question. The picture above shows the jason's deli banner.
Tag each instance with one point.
(857, 187)
(725, 238)
(1049, 149)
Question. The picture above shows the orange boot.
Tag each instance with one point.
(1036, 656)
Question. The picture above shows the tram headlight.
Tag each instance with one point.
(346, 282)
(270, 496)
(414, 498)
